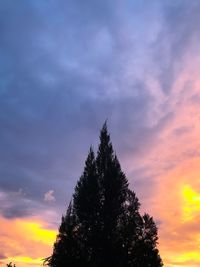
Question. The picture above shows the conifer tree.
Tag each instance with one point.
(66, 250)
(103, 226)
(87, 209)
(146, 252)
(113, 191)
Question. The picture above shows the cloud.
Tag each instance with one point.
(16, 244)
(2, 256)
(49, 197)
(65, 68)
(18, 205)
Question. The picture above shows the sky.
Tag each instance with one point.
(65, 67)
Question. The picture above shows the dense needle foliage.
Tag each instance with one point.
(103, 226)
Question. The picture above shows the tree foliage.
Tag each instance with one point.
(103, 226)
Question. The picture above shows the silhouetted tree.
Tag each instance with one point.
(10, 265)
(103, 226)
(66, 250)
(87, 207)
(113, 192)
(146, 252)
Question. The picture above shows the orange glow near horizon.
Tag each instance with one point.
(25, 242)
(178, 207)
(23, 261)
(177, 204)
(191, 204)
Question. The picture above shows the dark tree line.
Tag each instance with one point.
(102, 226)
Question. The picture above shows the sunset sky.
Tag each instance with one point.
(68, 65)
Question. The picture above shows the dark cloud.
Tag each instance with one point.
(182, 130)
(2, 256)
(65, 68)
(195, 99)
(16, 205)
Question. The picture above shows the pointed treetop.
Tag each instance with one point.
(104, 130)
(105, 124)
(105, 137)
(105, 152)
(90, 162)
(91, 155)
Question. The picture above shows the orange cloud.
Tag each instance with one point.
(177, 205)
(191, 203)
(173, 166)
(25, 242)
